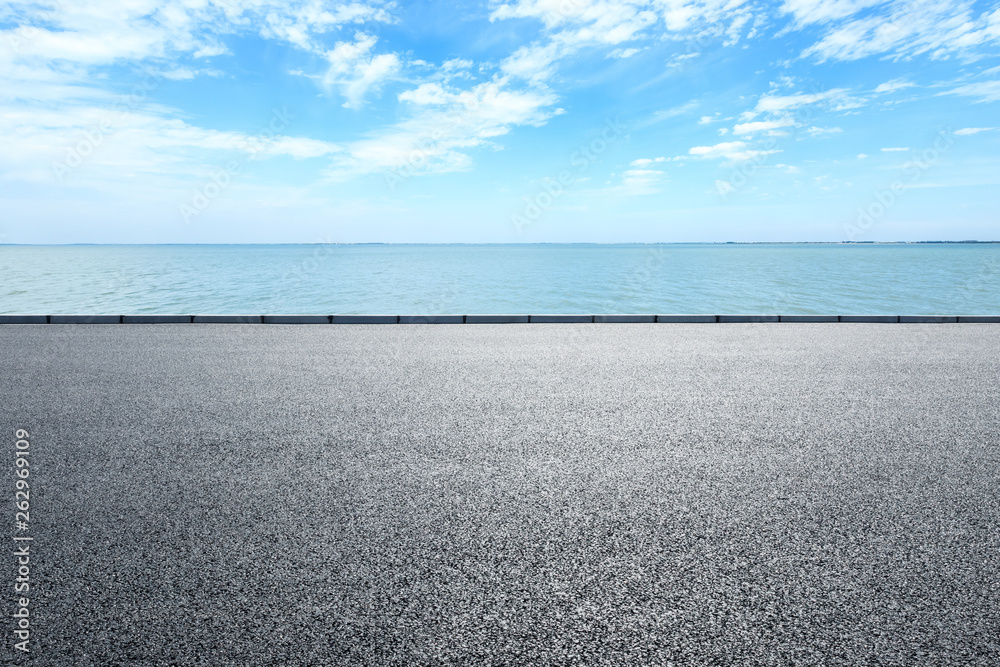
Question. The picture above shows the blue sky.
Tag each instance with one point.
(524, 121)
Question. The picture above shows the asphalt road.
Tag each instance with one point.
(746, 494)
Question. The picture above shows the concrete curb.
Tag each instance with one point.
(85, 319)
(687, 319)
(488, 319)
(748, 318)
(808, 318)
(927, 319)
(228, 319)
(157, 319)
(626, 319)
(497, 319)
(870, 318)
(979, 319)
(295, 319)
(559, 319)
(364, 319)
(432, 319)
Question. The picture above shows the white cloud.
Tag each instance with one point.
(775, 103)
(761, 125)
(792, 110)
(642, 182)
(456, 64)
(893, 86)
(354, 71)
(53, 95)
(446, 124)
(179, 74)
(99, 146)
(823, 11)
(617, 21)
(815, 131)
(210, 51)
(102, 32)
(427, 94)
(301, 21)
(986, 91)
(623, 53)
(570, 25)
(973, 130)
(894, 150)
(731, 151)
(900, 29)
(646, 161)
(862, 156)
(187, 73)
(533, 63)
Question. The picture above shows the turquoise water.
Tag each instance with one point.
(962, 279)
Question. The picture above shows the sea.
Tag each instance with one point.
(735, 278)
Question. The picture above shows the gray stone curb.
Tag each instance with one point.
(295, 319)
(809, 318)
(869, 318)
(927, 319)
(554, 319)
(157, 319)
(497, 319)
(687, 319)
(85, 319)
(626, 319)
(980, 319)
(485, 319)
(365, 319)
(432, 319)
(228, 319)
(748, 318)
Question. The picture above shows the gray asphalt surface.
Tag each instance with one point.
(746, 494)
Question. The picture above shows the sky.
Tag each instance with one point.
(274, 121)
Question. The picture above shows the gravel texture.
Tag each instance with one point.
(622, 494)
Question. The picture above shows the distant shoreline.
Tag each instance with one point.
(460, 243)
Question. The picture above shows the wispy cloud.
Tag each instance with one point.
(101, 32)
(572, 25)
(355, 70)
(894, 85)
(807, 12)
(973, 130)
(444, 125)
(898, 29)
(646, 161)
(779, 103)
(642, 182)
(91, 145)
(762, 125)
(730, 151)
(55, 66)
(985, 91)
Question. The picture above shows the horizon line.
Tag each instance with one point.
(924, 242)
